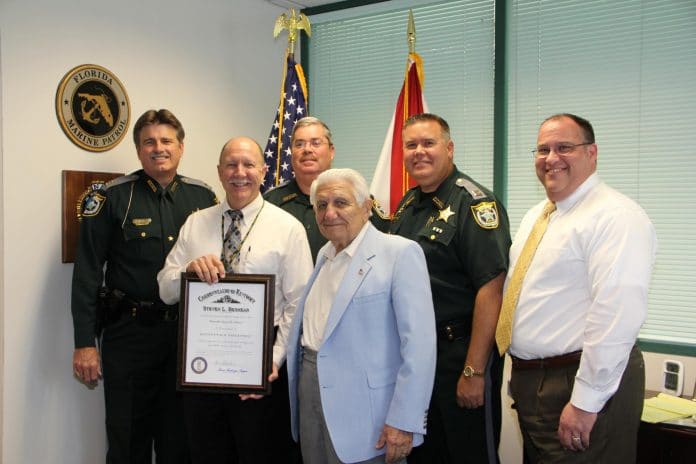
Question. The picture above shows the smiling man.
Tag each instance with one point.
(131, 225)
(312, 153)
(225, 428)
(463, 231)
(361, 352)
(574, 302)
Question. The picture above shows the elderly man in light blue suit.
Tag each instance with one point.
(361, 350)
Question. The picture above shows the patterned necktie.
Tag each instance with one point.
(232, 240)
(503, 332)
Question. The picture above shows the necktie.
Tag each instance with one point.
(503, 332)
(232, 240)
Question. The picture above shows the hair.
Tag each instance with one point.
(351, 176)
(162, 116)
(429, 117)
(584, 124)
(260, 150)
(311, 121)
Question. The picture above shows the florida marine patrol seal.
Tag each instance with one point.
(92, 107)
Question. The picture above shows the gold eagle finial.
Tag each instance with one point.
(292, 22)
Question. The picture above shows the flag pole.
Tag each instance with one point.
(292, 101)
(390, 180)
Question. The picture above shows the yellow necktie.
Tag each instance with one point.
(503, 332)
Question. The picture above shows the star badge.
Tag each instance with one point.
(445, 214)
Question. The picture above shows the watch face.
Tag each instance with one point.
(468, 371)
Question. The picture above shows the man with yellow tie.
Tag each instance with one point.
(575, 298)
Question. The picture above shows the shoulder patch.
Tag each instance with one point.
(486, 214)
(377, 209)
(475, 192)
(192, 181)
(92, 202)
(121, 180)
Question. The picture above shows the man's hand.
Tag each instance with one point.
(208, 268)
(470, 391)
(399, 443)
(87, 365)
(574, 428)
(271, 377)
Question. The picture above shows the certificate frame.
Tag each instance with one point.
(225, 342)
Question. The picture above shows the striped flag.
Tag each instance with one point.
(391, 180)
(292, 106)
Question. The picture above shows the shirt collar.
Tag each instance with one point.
(441, 194)
(156, 188)
(350, 250)
(579, 193)
(250, 210)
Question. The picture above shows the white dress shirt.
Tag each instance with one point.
(323, 291)
(587, 287)
(277, 244)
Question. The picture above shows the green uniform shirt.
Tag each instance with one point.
(289, 197)
(465, 235)
(131, 225)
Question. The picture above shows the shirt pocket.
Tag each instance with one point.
(145, 239)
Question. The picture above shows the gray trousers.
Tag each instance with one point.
(315, 440)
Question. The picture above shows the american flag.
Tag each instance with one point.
(292, 106)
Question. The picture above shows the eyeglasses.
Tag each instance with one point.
(314, 143)
(561, 149)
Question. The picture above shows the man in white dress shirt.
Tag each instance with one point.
(225, 428)
(578, 376)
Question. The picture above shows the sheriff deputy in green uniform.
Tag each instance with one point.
(131, 224)
(464, 233)
(312, 153)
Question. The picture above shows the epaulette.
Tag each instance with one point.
(475, 192)
(120, 180)
(192, 181)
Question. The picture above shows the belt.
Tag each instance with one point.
(150, 311)
(453, 330)
(547, 363)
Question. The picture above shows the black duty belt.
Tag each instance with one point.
(150, 310)
(453, 330)
(562, 360)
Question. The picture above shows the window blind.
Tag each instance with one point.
(628, 66)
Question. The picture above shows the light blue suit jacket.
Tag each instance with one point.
(376, 364)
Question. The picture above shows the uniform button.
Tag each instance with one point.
(170, 238)
(143, 234)
(432, 237)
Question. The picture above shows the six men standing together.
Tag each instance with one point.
(377, 354)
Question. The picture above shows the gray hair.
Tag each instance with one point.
(311, 121)
(350, 176)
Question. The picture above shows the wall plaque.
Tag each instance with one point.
(92, 107)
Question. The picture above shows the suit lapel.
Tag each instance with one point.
(358, 269)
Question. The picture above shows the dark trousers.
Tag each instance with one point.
(223, 429)
(541, 394)
(142, 406)
(458, 435)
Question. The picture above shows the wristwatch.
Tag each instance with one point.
(470, 372)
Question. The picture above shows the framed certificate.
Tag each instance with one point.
(226, 334)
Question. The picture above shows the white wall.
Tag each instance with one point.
(214, 63)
